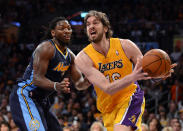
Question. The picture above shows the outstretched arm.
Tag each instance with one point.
(85, 64)
(133, 52)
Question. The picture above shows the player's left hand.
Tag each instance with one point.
(169, 74)
(63, 86)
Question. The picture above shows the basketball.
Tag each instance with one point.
(156, 63)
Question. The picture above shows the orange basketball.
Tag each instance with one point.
(156, 62)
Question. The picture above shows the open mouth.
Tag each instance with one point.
(67, 37)
(93, 33)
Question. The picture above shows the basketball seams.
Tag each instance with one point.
(160, 59)
(153, 61)
(166, 62)
(156, 62)
(159, 66)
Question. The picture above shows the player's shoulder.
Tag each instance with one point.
(127, 44)
(81, 54)
(82, 60)
(45, 48)
(45, 45)
(126, 41)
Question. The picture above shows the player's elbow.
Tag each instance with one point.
(80, 88)
(108, 90)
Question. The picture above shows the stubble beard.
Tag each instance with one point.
(97, 39)
(62, 43)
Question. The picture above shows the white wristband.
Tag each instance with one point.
(55, 86)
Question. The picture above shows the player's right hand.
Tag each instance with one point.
(138, 73)
(63, 86)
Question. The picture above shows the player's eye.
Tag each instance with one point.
(60, 28)
(95, 22)
(87, 24)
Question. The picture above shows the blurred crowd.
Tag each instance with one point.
(22, 24)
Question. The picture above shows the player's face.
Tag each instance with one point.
(62, 31)
(95, 29)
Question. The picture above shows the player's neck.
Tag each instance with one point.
(102, 46)
(59, 45)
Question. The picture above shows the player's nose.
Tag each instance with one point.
(66, 30)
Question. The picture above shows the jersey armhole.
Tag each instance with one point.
(51, 42)
(121, 44)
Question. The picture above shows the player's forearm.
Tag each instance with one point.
(43, 82)
(117, 85)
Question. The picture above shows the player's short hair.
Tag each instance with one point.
(53, 22)
(103, 18)
(52, 26)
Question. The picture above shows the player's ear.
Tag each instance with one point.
(53, 33)
(106, 29)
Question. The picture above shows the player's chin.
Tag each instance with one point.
(95, 40)
(66, 41)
